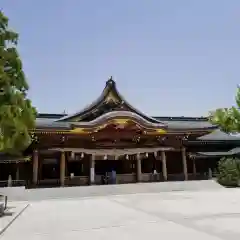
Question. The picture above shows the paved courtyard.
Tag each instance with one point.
(208, 215)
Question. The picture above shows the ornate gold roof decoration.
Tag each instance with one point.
(79, 131)
(100, 127)
(161, 131)
(111, 98)
(158, 131)
(121, 121)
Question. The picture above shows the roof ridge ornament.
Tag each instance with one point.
(110, 81)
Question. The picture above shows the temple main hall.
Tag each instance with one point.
(112, 142)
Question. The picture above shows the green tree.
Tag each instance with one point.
(229, 171)
(17, 115)
(228, 119)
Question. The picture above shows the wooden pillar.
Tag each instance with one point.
(164, 165)
(81, 164)
(194, 167)
(184, 161)
(92, 170)
(17, 171)
(35, 167)
(62, 168)
(40, 167)
(138, 168)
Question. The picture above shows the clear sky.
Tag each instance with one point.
(168, 57)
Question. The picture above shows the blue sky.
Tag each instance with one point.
(178, 58)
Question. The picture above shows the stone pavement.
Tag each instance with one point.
(208, 215)
(14, 209)
(20, 194)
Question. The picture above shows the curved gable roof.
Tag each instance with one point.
(110, 95)
(120, 115)
(219, 135)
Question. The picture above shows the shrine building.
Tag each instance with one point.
(112, 136)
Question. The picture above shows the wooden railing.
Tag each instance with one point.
(14, 183)
(76, 181)
(126, 178)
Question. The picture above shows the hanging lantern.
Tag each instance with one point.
(127, 157)
(105, 157)
(82, 155)
(155, 154)
(72, 155)
(146, 154)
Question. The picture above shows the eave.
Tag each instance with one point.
(232, 152)
(211, 142)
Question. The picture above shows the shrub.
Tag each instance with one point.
(229, 172)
